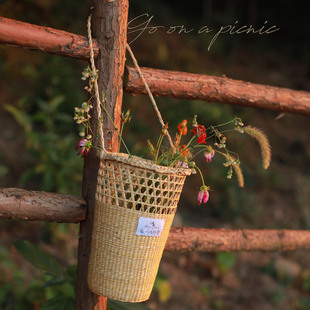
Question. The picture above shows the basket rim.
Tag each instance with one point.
(143, 163)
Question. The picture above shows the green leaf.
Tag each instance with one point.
(225, 261)
(3, 171)
(40, 259)
(20, 116)
(66, 118)
(27, 176)
(118, 305)
(54, 281)
(59, 303)
(71, 270)
(4, 291)
(164, 291)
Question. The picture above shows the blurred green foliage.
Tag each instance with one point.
(3, 170)
(302, 304)
(59, 286)
(50, 141)
(43, 89)
(225, 261)
(118, 305)
(277, 297)
(16, 293)
(62, 281)
(162, 287)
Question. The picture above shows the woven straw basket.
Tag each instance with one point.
(135, 204)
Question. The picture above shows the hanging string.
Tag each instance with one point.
(149, 93)
(97, 106)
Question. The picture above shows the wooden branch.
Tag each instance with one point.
(163, 83)
(229, 240)
(109, 26)
(19, 204)
(44, 39)
(183, 85)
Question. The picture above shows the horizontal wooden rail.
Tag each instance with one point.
(230, 240)
(162, 83)
(41, 206)
(19, 204)
(44, 39)
(216, 89)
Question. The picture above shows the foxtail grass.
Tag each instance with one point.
(239, 174)
(235, 164)
(263, 143)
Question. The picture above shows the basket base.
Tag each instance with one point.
(123, 265)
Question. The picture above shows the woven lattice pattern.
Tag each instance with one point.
(131, 186)
(123, 265)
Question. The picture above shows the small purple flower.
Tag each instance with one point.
(209, 154)
(85, 146)
(203, 195)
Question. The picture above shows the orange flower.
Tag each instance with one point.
(200, 131)
(183, 128)
(186, 152)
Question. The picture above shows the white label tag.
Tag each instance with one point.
(150, 227)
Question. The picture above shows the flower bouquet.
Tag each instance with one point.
(136, 198)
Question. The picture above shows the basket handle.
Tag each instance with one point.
(98, 105)
(149, 93)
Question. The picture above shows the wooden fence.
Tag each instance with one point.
(109, 26)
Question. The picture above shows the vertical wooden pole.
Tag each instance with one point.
(109, 27)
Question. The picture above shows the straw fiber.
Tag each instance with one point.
(123, 265)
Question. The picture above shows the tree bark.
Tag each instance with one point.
(19, 204)
(229, 240)
(183, 85)
(109, 26)
(44, 39)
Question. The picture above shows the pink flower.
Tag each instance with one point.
(85, 145)
(209, 154)
(203, 195)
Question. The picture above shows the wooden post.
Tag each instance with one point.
(109, 27)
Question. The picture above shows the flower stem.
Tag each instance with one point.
(202, 179)
(120, 134)
(158, 146)
(215, 135)
(115, 128)
(224, 124)
(179, 156)
(199, 151)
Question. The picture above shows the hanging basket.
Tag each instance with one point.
(135, 205)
